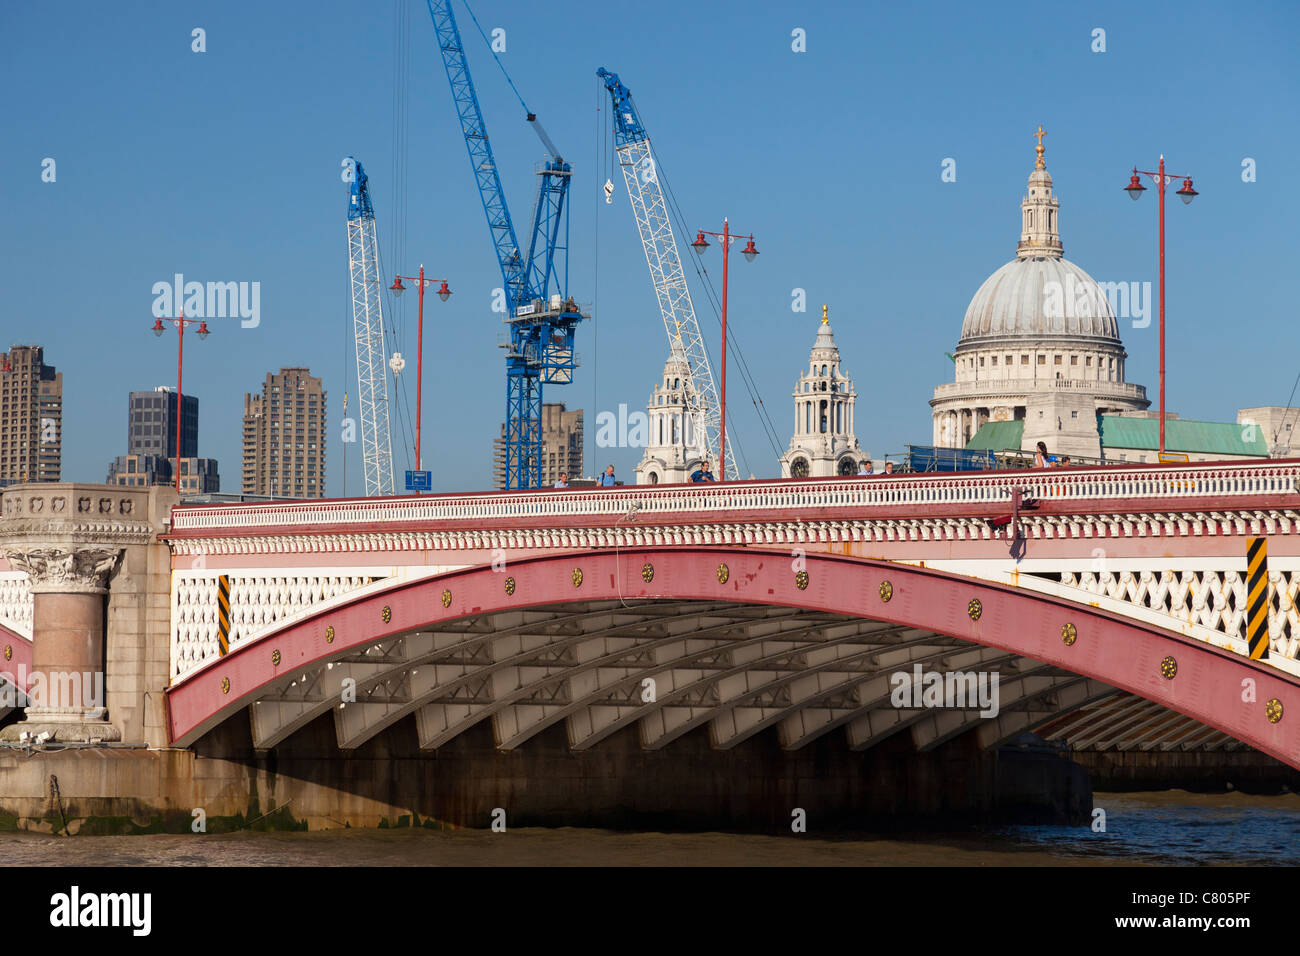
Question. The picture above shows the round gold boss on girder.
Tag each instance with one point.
(1069, 634)
(724, 573)
(647, 572)
(446, 599)
(975, 609)
(329, 634)
(275, 658)
(576, 577)
(225, 685)
(386, 614)
(1273, 710)
(510, 585)
(801, 579)
(1168, 668)
(886, 591)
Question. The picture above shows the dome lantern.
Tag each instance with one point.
(1040, 237)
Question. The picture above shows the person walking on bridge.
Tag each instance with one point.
(607, 479)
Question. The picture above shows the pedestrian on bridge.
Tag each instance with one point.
(564, 480)
(702, 473)
(865, 467)
(1040, 456)
(607, 479)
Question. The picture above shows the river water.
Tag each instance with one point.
(1172, 827)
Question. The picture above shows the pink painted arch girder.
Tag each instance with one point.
(1209, 684)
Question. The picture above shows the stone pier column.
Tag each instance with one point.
(66, 686)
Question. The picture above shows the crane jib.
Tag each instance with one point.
(650, 210)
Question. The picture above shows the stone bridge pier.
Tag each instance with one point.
(97, 580)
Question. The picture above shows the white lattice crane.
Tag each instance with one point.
(651, 212)
(368, 328)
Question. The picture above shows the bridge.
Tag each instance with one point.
(777, 609)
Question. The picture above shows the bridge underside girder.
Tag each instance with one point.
(672, 666)
(1124, 723)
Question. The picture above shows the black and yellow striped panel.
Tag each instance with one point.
(223, 614)
(1257, 597)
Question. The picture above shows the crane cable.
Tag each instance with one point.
(734, 348)
(1287, 415)
(395, 331)
(514, 88)
(602, 141)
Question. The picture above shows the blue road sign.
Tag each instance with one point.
(419, 481)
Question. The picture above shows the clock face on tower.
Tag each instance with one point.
(847, 466)
(799, 468)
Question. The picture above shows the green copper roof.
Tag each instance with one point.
(997, 436)
(1117, 431)
(1202, 438)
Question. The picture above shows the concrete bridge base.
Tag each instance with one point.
(307, 783)
(1198, 771)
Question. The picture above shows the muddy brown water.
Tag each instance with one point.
(1173, 827)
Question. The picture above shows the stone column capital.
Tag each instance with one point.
(70, 570)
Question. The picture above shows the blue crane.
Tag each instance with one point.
(541, 316)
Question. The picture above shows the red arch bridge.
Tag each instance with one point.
(738, 607)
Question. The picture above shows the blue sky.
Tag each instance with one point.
(224, 166)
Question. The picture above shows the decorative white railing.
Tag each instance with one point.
(1151, 484)
(1018, 386)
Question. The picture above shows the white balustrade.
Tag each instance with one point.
(1149, 485)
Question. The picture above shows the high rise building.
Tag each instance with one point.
(561, 447)
(31, 416)
(284, 436)
(151, 427)
(198, 475)
(150, 457)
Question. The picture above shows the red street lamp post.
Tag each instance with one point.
(443, 293)
(158, 328)
(1135, 189)
(699, 245)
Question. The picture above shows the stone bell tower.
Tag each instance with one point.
(673, 450)
(824, 442)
